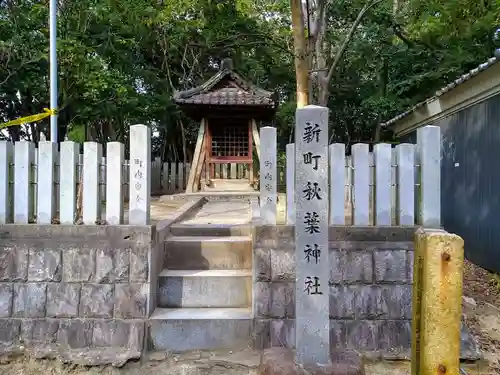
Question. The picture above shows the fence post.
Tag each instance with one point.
(437, 302)
(383, 189)
(6, 150)
(361, 178)
(233, 170)
(337, 162)
(47, 152)
(268, 174)
(23, 203)
(429, 150)
(156, 176)
(115, 158)
(405, 160)
(181, 176)
(188, 170)
(173, 178)
(126, 180)
(69, 159)
(349, 189)
(92, 156)
(140, 175)
(165, 179)
(290, 183)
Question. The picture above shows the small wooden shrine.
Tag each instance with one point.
(228, 108)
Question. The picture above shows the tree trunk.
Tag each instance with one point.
(301, 63)
(323, 91)
(325, 74)
(383, 93)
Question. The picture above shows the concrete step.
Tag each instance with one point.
(205, 288)
(188, 329)
(210, 230)
(202, 253)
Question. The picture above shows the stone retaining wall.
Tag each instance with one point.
(370, 288)
(80, 293)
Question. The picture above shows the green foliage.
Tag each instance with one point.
(120, 61)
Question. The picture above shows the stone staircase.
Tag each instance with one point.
(205, 289)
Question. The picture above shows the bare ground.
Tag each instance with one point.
(481, 309)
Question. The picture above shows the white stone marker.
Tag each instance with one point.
(337, 183)
(312, 330)
(69, 158)
(47, 155)
(115, 157)
(405, 160)
(140, 175)
(290, 184)
(268, 175)
(6, 151)
(382, 155)
(361, 178)
(92, 156)
(23, 197)
(429, 150)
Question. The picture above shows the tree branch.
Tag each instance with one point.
(263, 39)
(349, 36)
(9, 75)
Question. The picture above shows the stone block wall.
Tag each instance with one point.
(81, 293)
(371, 272)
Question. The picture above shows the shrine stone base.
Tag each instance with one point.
(371, 273)
(281, 361)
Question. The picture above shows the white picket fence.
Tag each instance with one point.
(170, 178)
(42, 185)
(166, 178)
(390, 186)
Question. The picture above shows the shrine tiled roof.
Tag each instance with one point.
(226, 88)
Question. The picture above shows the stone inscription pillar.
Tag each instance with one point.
(311, 236)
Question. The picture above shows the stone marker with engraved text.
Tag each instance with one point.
(311, 236)
(268, 175)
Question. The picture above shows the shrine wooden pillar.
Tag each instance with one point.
(198, 160)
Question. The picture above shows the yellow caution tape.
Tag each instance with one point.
(33, 118)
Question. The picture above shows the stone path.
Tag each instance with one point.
(160, 209)
(213, 212)
(221, 212)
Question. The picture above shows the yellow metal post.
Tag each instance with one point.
(437, 302)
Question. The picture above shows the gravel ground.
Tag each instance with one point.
(481, 310)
